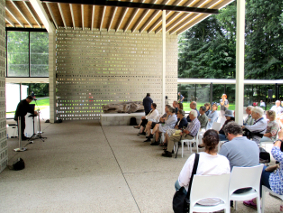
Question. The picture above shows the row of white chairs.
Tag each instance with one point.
(224, 186)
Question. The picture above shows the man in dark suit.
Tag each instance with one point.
(22, 109)
(147, 101)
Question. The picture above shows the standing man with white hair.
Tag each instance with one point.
(189, 133)
(249, 120)
(277, 108)
(258, 129)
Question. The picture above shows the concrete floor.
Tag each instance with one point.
(83, 167)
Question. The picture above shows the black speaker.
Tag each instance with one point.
(270, 93)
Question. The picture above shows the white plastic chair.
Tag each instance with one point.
(264, 190)
(216, 126)
(194, 140)
(245, 177)
(213, 186)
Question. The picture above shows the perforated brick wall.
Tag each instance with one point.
(3, 136)
(95, 68)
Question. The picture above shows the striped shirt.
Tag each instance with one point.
(193, 127)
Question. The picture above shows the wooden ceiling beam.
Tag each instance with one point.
(62, 15)
(122, 18)
(10, 22)
(102, 18)
(112, 18)
(14, 17)
(159, 20)
(92, 17)
(31, 13)
(72, 15)
(155, 13)
(142, 17)
(18, 9)
(83, 18)
(52, 15)
(132, 17)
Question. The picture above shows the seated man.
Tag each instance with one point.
(153, 115)
(203, 119)
(249, 120)
(159, 128)
(193, 106)
(189, 133)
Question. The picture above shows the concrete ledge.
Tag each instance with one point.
(119, 119)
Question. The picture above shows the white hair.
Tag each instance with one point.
(258, 110)
(250, 107)
(194, 113)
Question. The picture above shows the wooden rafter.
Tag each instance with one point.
(18, 9)
(92, 17)
(10, 22)
(62, 15)
(102, 18)
(52, 15)
(72, 15)
(112, 18)
(132, 17)
(83, 14)
(14, 17)
(31, 13)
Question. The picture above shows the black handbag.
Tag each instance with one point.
(181, 201)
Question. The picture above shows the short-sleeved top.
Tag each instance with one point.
(278, 109)
(203, 120)
(276, 177)
(147, 101)
(225, 103)
(272, 127)
(181, 98)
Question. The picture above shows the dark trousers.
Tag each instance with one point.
(144, 122)
(146, 113)
(23, 126)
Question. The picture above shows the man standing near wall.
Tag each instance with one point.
(147, 101)
(181, 97)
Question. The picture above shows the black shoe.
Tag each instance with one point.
(147, 140)
(143, 133)
(173, 152)
(150, 136)
(154, 144)
(167, 154)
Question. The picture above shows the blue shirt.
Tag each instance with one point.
(276, 178)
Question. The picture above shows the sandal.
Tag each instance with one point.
(250, 204)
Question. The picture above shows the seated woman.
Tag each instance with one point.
(272, 127)
(210, 163)
(271, 179)
(181, 123)
(212, 116)
(159, 128)
(258, 128)
(229, 117)
(153, 115)
(207, 106)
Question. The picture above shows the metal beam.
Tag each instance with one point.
(83, 18)
(72, 15)
(159, 20)
(113, 15)
(52, 15)
(20, 23)
(122, 18)
(31, 13)
(132, 17)
(102, 18)
(10, 22)
(142, 17)
(155, 13)
(18, 9)
(92, 17)
(139, 5)
(62, 15)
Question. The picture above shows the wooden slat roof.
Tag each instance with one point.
(22, 13)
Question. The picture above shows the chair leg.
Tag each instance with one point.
(258, 203)
(197, 145)
(182, 149)
(262, 199)
(235, 205)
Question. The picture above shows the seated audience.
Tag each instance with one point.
(272, 179)
(162, 128)
(259, 127)
(207, 107)
(181, 123)
(193, 106)
(213, 116)
(153, 115)
(272, 127)
(210, 163)
(277, 108)
(249, 120)
(180, 106)
(229, 118)
(203, 119)
(189, 133)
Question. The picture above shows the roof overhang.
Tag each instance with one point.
(27, 80)
(227, 81)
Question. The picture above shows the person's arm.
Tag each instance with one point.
(256, 127)
(183, 98)
(227, 104)
(276, 152)
(186, 172)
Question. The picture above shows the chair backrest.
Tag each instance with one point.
(216, 126)
(210, 186)
(244, 177)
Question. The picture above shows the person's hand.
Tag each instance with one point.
(186, 131)
(143, 117)
(277, 143)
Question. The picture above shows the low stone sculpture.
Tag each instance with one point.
(124, 107)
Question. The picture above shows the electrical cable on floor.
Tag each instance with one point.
(120, 168)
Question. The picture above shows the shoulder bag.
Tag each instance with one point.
(181, 201)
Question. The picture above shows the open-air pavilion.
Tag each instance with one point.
(102, 52)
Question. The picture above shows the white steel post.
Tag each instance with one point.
(163, 58)
(240, 61)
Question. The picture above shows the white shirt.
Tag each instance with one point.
(278, 109)
(208, 165)
(154, 116)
